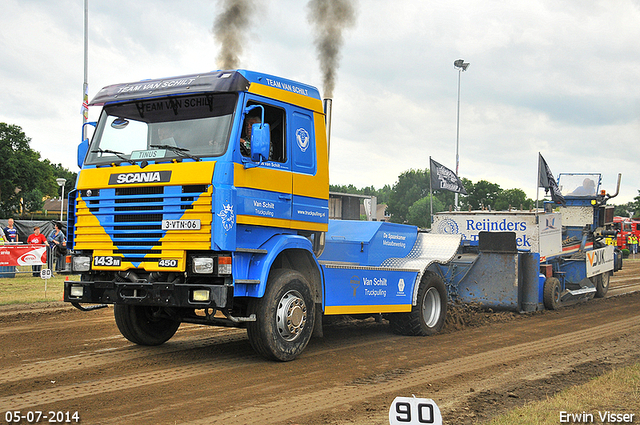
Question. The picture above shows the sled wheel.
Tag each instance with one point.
(144, 325)
(601, 282)
(428, 315)
(551, 293)
(284, 316)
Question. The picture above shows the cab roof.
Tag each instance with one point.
(210, 82)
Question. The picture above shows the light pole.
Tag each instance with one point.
(61, 183)
(85, 85)
(460, 65)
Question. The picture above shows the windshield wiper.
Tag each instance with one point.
(183, 152)
(118, 154)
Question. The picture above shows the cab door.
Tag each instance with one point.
(264, 190)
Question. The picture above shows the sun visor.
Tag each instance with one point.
(212, 82)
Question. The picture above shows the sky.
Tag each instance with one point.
(556, 77)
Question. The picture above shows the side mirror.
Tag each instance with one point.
(83, 147)
(82, 151)
(260, 142)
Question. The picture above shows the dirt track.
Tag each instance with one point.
(60, 359)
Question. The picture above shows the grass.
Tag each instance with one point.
(25, 288)
(617, 392)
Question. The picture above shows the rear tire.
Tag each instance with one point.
(601, 283)
(143, 325)
(428, 315)
(551, 293)
(285, 316)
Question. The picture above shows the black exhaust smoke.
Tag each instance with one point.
(330, 18)
(230, 28)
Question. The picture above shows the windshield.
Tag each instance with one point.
(163, 129)
(579, 184)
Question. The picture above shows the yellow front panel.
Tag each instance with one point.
(119, 223)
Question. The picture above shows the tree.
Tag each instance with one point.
(382, 195)
(25, 179)
(60, 172)
(514, 198)
(636, 204)
(32, 201)
(420, 212)
(483, 194)
(626, 210)
(411, 186)
(21, 171)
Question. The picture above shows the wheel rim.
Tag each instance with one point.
(291, 315)
(431, 307)
(556, 293)
(605, 280)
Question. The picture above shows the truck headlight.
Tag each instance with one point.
(81, 264)
(203, 265)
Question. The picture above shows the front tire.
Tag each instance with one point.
(551, 293)
(285, 316)
(428, 315)
(144, 325)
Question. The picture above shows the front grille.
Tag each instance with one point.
(137, 218)
(132, 218)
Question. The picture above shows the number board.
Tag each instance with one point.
(413, 411)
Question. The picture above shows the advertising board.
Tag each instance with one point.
(539, 233)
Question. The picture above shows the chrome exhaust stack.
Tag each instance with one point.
(617, 188)
(328, 105)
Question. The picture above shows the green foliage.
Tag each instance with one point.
(513, 198)
(23, 175)
(60, 172)
(630, 209)
(409, 199)
(382, 195)
(33, 201)
(411, 186)
(420, 212)
(483, 194)
(625, 210)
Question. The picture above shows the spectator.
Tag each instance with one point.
(57, 241)
(36, 238)
(11, 232)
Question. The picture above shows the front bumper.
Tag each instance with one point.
(157, 294)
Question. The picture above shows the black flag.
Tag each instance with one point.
(546, 180)
(443, 178)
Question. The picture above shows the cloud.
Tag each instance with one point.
(556, 77)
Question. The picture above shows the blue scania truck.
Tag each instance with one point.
(204, 199)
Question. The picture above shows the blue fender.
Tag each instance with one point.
(260, 264)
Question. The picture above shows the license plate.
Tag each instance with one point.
(180, 224)
(107, 261)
